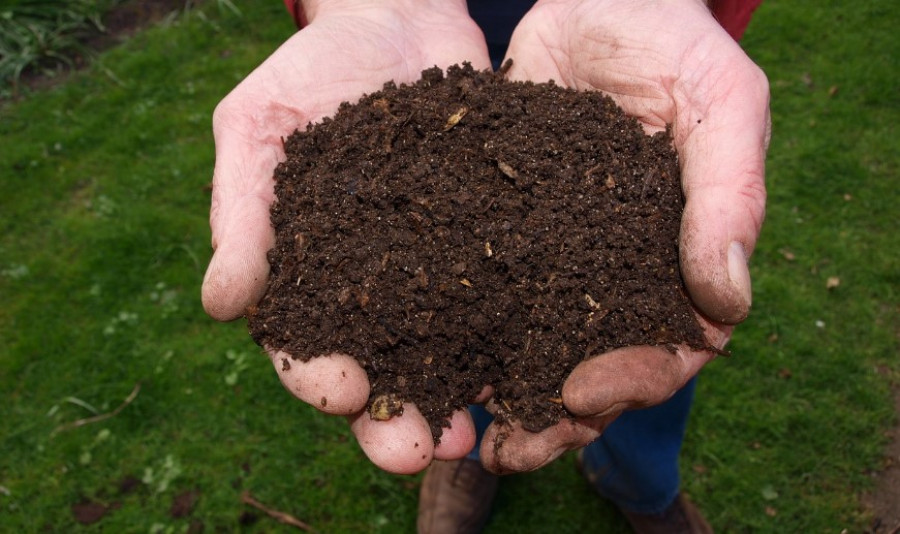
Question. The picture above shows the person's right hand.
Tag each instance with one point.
(350, 47)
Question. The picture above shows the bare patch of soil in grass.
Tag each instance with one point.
(89, 512)
(119, 23)
(183, 504)
(884, 501)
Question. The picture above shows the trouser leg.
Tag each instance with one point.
(635, 462)
(482, 418)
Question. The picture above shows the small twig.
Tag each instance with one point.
(102, 417)
(285, 518)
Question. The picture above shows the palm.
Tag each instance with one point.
(337, 58)
(667, 64)
(306, 79)
(672, 65)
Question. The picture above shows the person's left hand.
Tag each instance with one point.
(666, 63)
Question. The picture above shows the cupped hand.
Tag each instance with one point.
(348, 49)
(668, 64)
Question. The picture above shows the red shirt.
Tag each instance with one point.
(733, 15)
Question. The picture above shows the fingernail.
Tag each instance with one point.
(614, 409)
(556, 454)
(739, 273)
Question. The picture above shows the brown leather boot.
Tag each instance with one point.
(455, 497)
(681, 517)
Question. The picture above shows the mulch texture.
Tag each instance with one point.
(466, 231)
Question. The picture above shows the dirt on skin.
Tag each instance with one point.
(466, 231)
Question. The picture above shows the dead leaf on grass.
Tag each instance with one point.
(788, 255)
(807, 80)
(832, 282)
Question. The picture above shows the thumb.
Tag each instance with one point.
(723, 175)
(243, 190)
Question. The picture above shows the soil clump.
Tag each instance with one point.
(466, 231)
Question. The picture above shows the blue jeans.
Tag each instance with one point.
(636, 458)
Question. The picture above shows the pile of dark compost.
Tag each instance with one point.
(466, 231)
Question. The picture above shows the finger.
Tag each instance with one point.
(630, 378)
(243, 190)
(334, 384)
(722, 142)
(237, 273)
(401, 445)
(508, 448)
(458, 440)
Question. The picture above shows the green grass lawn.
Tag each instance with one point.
(104, 239)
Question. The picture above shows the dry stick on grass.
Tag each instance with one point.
(285, 518)
(102, 417)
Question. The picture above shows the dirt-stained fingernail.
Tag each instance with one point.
(739, 273)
